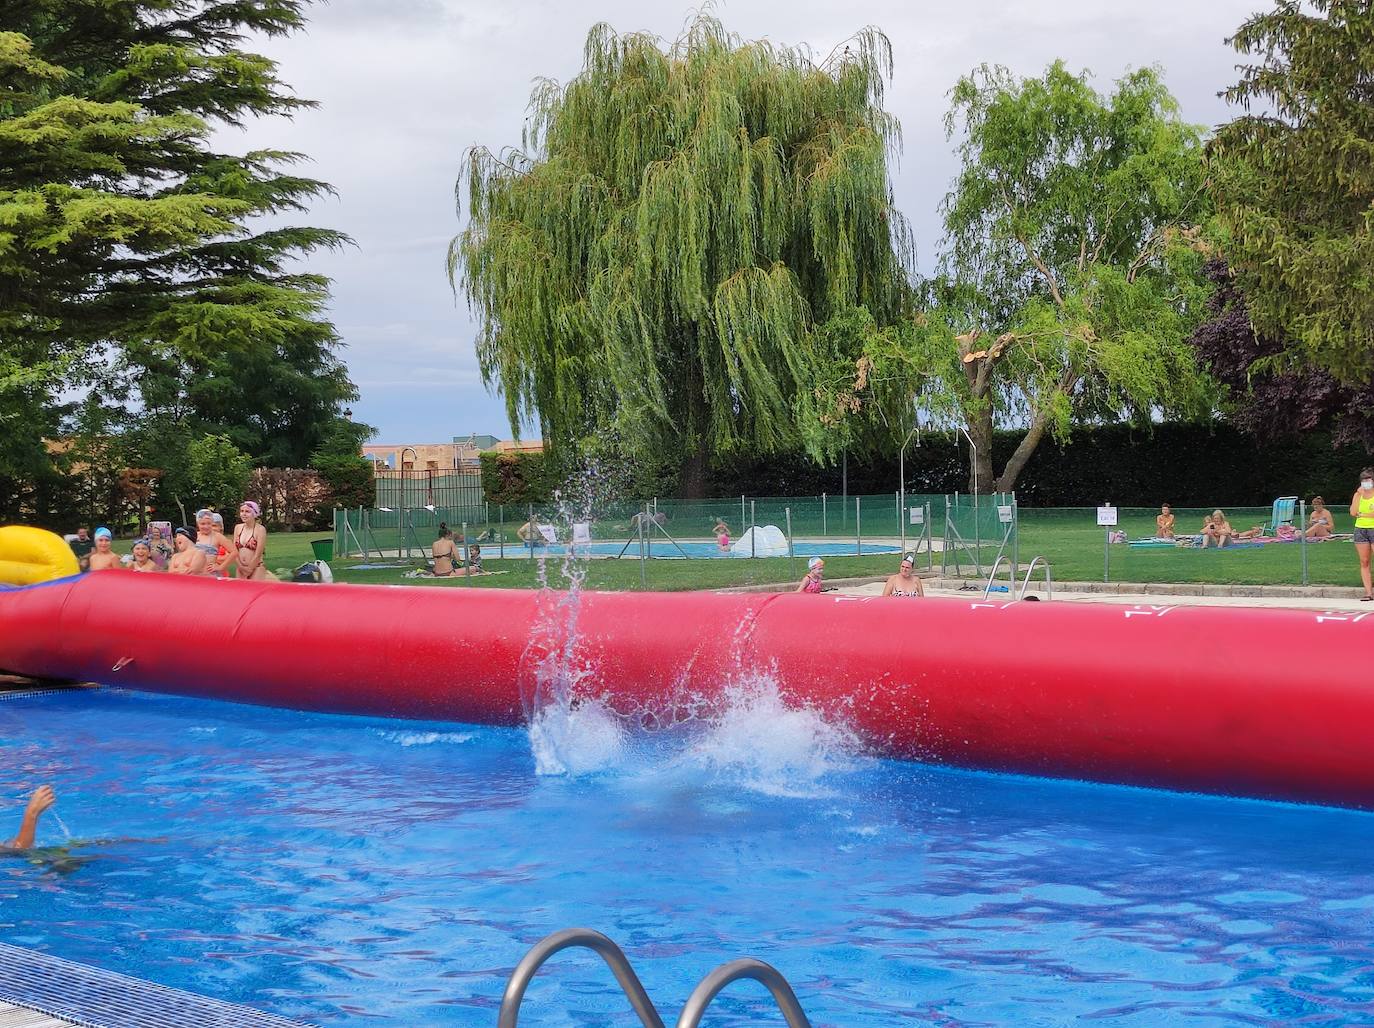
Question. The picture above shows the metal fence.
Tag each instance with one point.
(959, 531)
(414, 488)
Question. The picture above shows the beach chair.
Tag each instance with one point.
(1285, 507)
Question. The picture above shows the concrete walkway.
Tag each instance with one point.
(1234, 596)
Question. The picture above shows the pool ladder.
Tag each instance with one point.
(706, 991)
(1011, 578)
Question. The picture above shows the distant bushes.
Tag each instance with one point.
(1189, 465)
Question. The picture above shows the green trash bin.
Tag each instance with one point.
(323, 549)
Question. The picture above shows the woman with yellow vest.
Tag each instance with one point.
(1362, 510)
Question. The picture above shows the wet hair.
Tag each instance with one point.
(1316, 500)
(1030, 599)
(443, 529)
(1367, 473)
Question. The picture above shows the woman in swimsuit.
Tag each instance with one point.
(815, 571)
(443, 552)
(250, 542)
(159, 548)
(1320, 524)
(904, 583)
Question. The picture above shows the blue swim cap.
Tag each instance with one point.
(103, 532)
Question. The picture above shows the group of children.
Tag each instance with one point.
(202, 550)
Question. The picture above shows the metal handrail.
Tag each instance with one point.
(1049, 579)
(587, 939)
(769, 976)
(702, 996)
(987, 591)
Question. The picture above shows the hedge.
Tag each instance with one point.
(1188, 465)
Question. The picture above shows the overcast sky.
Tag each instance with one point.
(405, 86)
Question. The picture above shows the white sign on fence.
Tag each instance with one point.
(1106, 515)
(918, 515)
(1004, 514)
(581, 533)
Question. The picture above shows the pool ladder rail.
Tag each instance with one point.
(706, 991)
(1010, 588)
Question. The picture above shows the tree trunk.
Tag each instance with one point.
(980, 468)
(1024, 449)
(694, 469)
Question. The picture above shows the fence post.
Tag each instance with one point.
(753, 536)
(1015, 539)
(858, 528)
(1302, 539)
(824, 529)
(467, 555)
(929, 533)
(901, 523)
(791, 561)
(743, 527)
(639, 523)
(501, 532)
(530, 530)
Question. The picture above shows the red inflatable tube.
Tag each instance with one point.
(1273, 703)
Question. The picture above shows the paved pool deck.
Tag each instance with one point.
(1291, 597)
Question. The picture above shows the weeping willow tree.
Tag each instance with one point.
(659, 257)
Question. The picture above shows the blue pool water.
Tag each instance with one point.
(663, 548)
(363, 872)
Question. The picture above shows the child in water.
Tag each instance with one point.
(815, 571)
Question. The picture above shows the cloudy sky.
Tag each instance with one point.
(406, 86)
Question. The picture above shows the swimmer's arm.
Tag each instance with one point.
(887, 587)
(1355, 505)
(41, 800)
(920, 588)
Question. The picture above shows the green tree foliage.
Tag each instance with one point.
(1294, 181)
(1070, 273)
(216, 474)
(656, 260)
(139, 261)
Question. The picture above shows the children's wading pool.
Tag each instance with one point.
(355, 871)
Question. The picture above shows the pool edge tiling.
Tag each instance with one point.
(89, 997)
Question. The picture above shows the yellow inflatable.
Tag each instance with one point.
(29, 555)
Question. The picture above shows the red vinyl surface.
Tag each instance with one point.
(1273, 703)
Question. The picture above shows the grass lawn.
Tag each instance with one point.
(1069, 539)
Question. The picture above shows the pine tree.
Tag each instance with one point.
(138, 260)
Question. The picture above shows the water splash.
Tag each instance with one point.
(62, 825)
(762, 743)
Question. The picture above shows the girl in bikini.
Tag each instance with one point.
(443, 551)
(722, 531)
(250, 542)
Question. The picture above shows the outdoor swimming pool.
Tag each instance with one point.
(357, 871)
(664, 548)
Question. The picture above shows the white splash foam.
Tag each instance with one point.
(425, 738)
(761, 743)
(576, 740)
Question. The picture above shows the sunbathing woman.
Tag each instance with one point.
(1216, 530)
(443, 552)
(250, 542)
(1320, 523)
(1164, 523)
